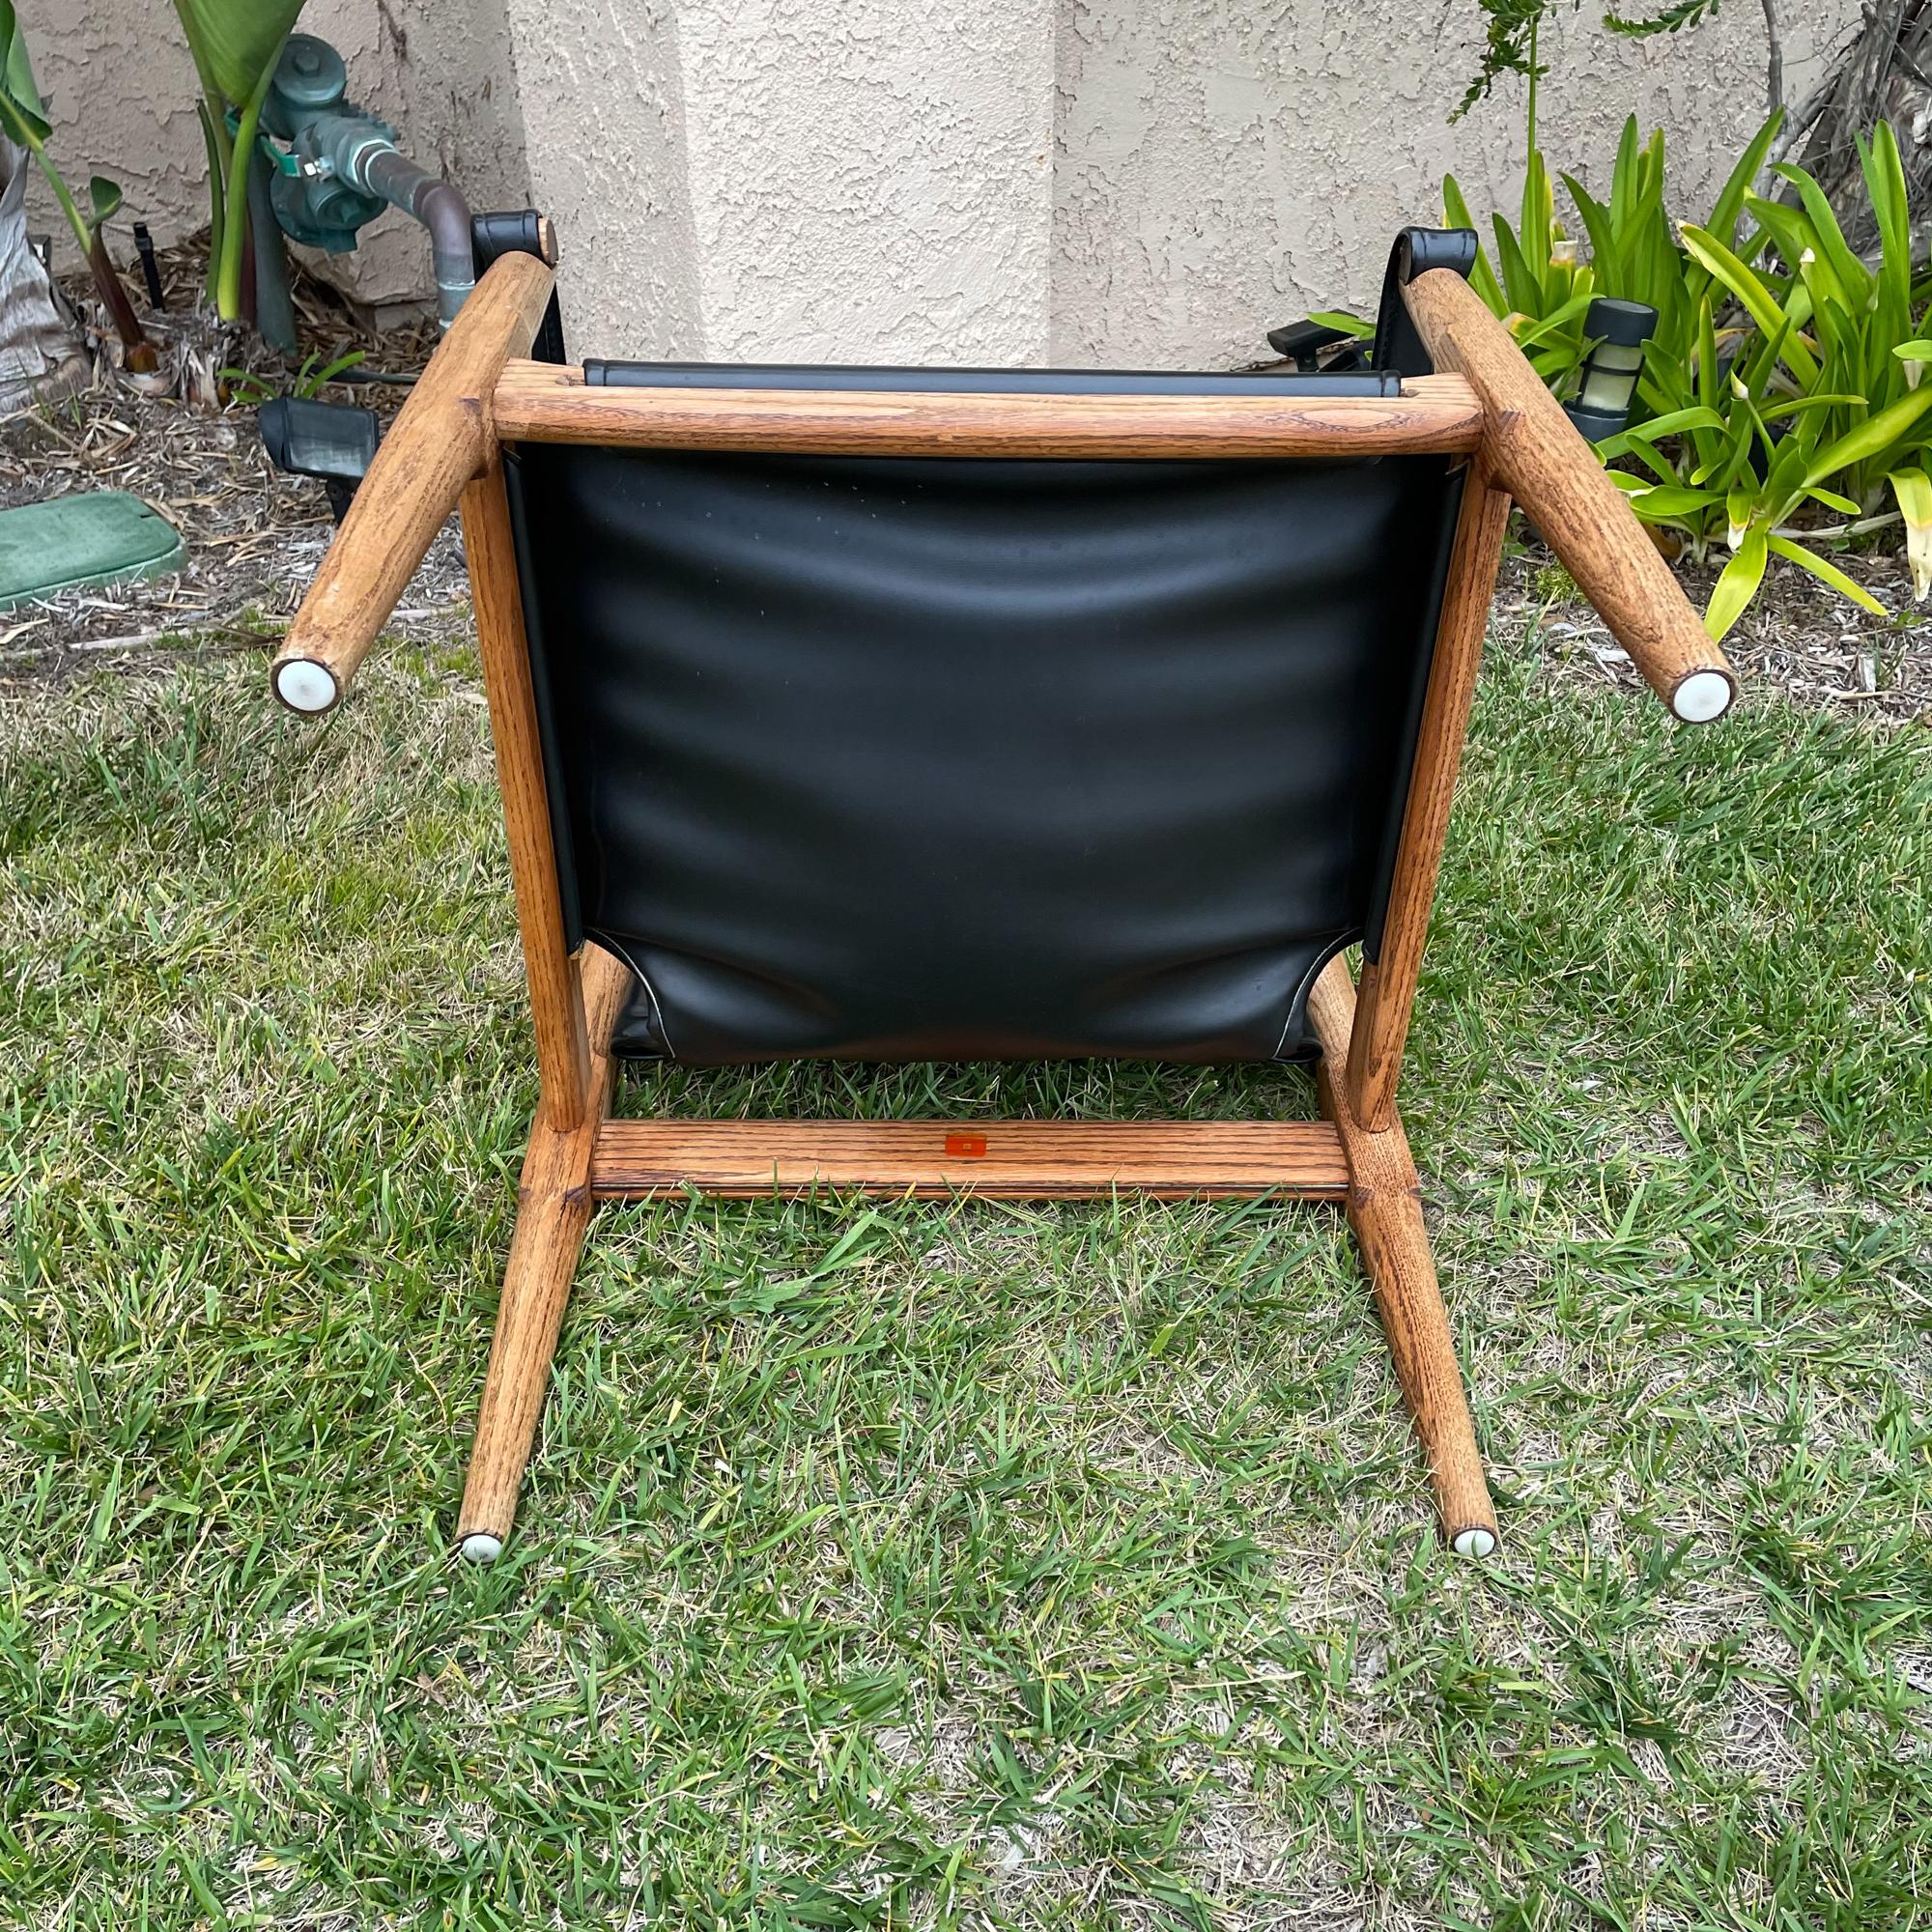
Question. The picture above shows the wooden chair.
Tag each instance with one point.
(822, 700)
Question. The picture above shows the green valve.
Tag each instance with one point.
(75, 543)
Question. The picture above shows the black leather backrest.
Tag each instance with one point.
(956, 758)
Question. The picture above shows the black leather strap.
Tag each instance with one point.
(517, 232)
(974, 382)
(1398, 349)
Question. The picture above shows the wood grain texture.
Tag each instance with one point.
(554, 1203)
(1553, 474)
(1012, 1161)
(1384, 1209)
(441, 439)
(540, 402)
(1388, 985)
(556, 1005)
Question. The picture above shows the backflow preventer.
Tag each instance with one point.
(323, 169)
(335, 167)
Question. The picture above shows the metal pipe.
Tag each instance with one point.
(378, 167)
(274, 310)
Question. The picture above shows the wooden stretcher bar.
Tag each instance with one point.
(1001, 1161)
(539, 402)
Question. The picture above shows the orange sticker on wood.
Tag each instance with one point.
(966, 1147)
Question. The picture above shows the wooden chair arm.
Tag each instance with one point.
(1538, 456)
(442, 440)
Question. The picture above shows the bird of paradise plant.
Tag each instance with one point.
(236, 45)
(23, 120)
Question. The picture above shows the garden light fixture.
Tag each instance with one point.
(1602, 404)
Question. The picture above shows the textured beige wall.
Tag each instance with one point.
(794, 178)
(1224, 166)
(121, 92)
(1151, 181)
(602, 103)
(860, 180)
(871, 178)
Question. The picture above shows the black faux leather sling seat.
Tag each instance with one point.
(927, 758)
(938, 714)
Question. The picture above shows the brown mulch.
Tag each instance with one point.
(1797, 637)
(254, 536)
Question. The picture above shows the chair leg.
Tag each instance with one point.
(554, 1208)
(1385, 1208)
(1395, 1246)
(554, 1202)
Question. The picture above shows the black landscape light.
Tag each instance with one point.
(332, 441)
(1602, 406)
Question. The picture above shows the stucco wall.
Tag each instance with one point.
(1224, 167)
(121, 90)
(603, 102)
(794, 178)
(870, 157)
(1134, 181)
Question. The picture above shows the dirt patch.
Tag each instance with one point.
(1797, 637)
(253, 536)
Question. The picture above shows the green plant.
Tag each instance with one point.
(1536, 285)
(1814, 404)
(1512, 29)
(1512, 37)
(1769, 395)
(1542, 291)
(310, 379)
(236, 45)
(1635, 256)
(23, 120)
(1672, 16)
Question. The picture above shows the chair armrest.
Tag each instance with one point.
(442, 440)
(1554, 475)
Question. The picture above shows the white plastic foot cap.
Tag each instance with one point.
(304, 686)
(1703, 695)
(1476, 1543)
(481, 1548)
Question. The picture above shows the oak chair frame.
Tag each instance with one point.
(1485, 406)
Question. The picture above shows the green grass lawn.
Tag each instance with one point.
(958, 1565)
